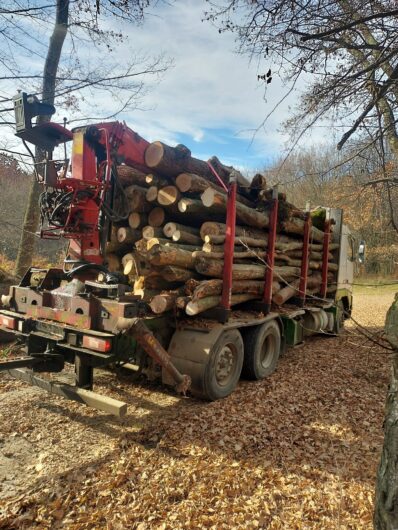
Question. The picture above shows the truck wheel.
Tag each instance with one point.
(339, 322)
(225, 365)
(262, 349)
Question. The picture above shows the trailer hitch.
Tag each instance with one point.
(146, 339)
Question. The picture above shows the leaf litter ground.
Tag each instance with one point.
(296, 451)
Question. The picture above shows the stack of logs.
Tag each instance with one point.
(171, 247)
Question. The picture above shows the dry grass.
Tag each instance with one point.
(296, 451)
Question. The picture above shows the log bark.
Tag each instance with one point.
(156, 180)
(197, 211)
(172, 161)
(113, 262)
(191, 183)
(168, 195)
(213, 287)
(149, 232)
(157, 217)
(194, 307)
(176, 274)
(181, 236)
(162, 255)
(137, 220)
(291, 290)
(167, 243)
(218, 229)
(128, 176)
(136, 196)
(164, 301)
(296, 226)
(215, 269)
(152, 194)
(126, 258)
(244, 214)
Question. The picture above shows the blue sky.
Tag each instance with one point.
(210, 100)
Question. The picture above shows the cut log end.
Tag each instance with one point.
(154, 154)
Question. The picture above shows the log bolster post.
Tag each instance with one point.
(229, 244)
(325, 261)
(305, 257)
(270, 258)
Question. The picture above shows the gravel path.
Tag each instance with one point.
(298, 450)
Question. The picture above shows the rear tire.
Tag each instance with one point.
(262, 350)
(224, 366)
(339, 322)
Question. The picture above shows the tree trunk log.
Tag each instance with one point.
(155, 180)
(157, 217)
(164, 301)
(213, 228)
(149, 232)
(136, 196)
(194, 307)
(213, 287)
(244, 214)
(215, 269)
(167, 243)
(128, 235)
(197, 211)
(152, 194)
(176, 274)
(172, 161)
(137, 220)
(168, 195)
(190, 183)
(128, 176)
(170, 228)
(181, 236)
(162, 255)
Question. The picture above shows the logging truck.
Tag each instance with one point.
(176, 267)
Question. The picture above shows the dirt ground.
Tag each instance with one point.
(298, 450)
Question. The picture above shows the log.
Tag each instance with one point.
(238, 255)
(172, 161)
(137, 220)
(295, 225)
(167, 243)
(176, 274)
(194, 307)
(136, 196)
(126, 258)
(214, 287)
(170, 228)
(113, 262)
(211, 241)
(215, 269)
(157, 217)
(155, 180)
(146, 294)
(186, 237)
(197, 210)
(191, 183)
(168, 195)
(152, 194)
(128, 235)
(128, 175)
(149, 232)
(244, 214)
(164, 301)
(218, 229)
(162, 255)
(291, 290)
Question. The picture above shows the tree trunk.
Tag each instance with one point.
(149, 232)
(172, 161)
(194, 307)
(157, 217)
(31, 220)
(187, 237)
(206, 288)
(162, 255)
(128, 175)
(244, 214)
(138, 220)
(170, 228)
(215, 269)
(152, 194)
(136, 196)
(386, 502)
(128, 235)
(168, 195)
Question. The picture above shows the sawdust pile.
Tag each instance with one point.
(298, 450)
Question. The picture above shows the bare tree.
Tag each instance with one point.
(67, 82)
(347, 54)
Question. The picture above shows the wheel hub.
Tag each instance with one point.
(225, 365)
